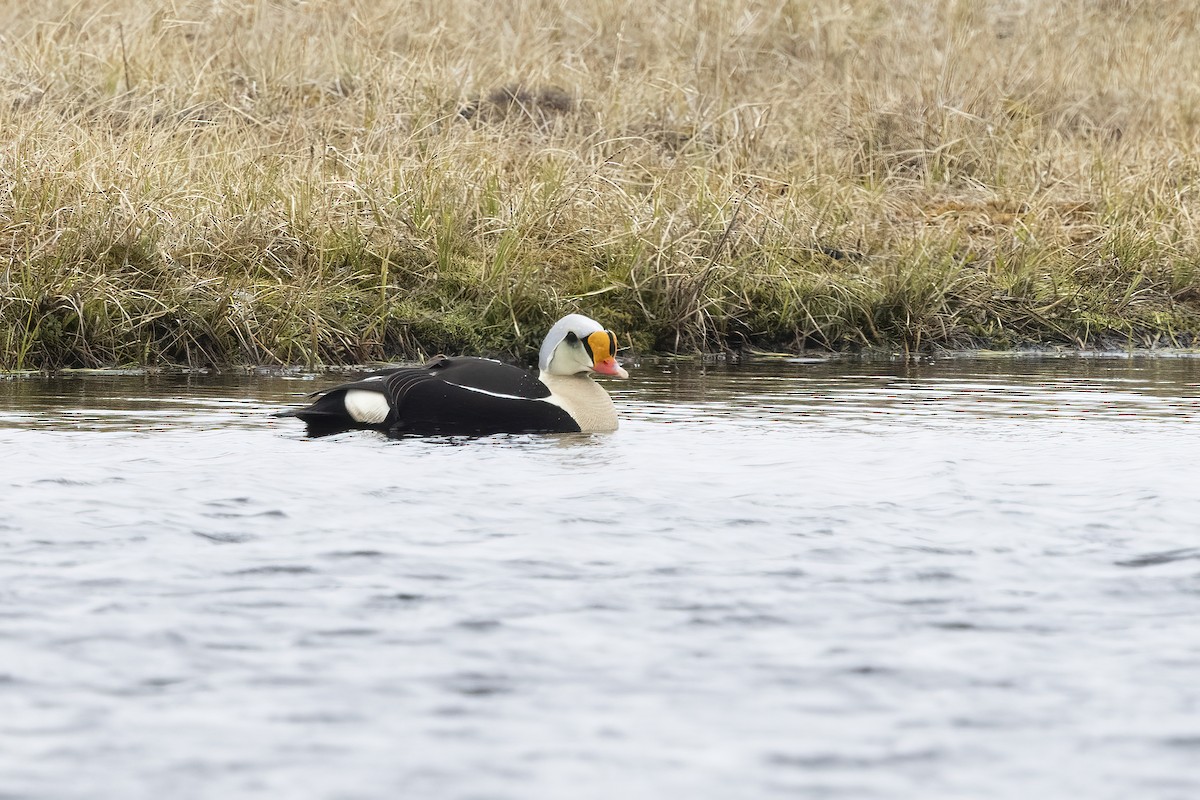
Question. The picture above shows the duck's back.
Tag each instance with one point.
(456, 396)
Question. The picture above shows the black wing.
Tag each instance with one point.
(485, 375)
(455, 396)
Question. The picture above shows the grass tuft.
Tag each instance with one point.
(229, 183)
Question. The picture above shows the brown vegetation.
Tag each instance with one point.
(277, 181)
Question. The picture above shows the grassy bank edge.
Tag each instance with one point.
(338, 299)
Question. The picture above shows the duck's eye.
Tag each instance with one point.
(571, 337)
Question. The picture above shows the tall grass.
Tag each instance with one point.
(254, 181)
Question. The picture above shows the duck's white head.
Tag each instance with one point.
(577, 344)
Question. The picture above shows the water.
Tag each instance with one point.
(969, 578)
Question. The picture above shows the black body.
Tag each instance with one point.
(448, 396)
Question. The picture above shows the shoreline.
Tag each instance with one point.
(643, 360)
(54, 342)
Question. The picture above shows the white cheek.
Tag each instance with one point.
(580, 357)
(566, 359)
(369, 408)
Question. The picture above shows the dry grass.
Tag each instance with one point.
(241, 181)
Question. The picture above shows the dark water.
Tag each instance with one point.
(965, 579)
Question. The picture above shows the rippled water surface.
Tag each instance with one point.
(962, 579)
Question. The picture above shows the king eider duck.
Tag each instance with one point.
(478, 396)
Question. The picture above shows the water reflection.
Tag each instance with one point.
(672, 390)
(1008, 387)
(777, 578)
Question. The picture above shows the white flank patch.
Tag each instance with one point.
(485, 391)
(369, 408)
